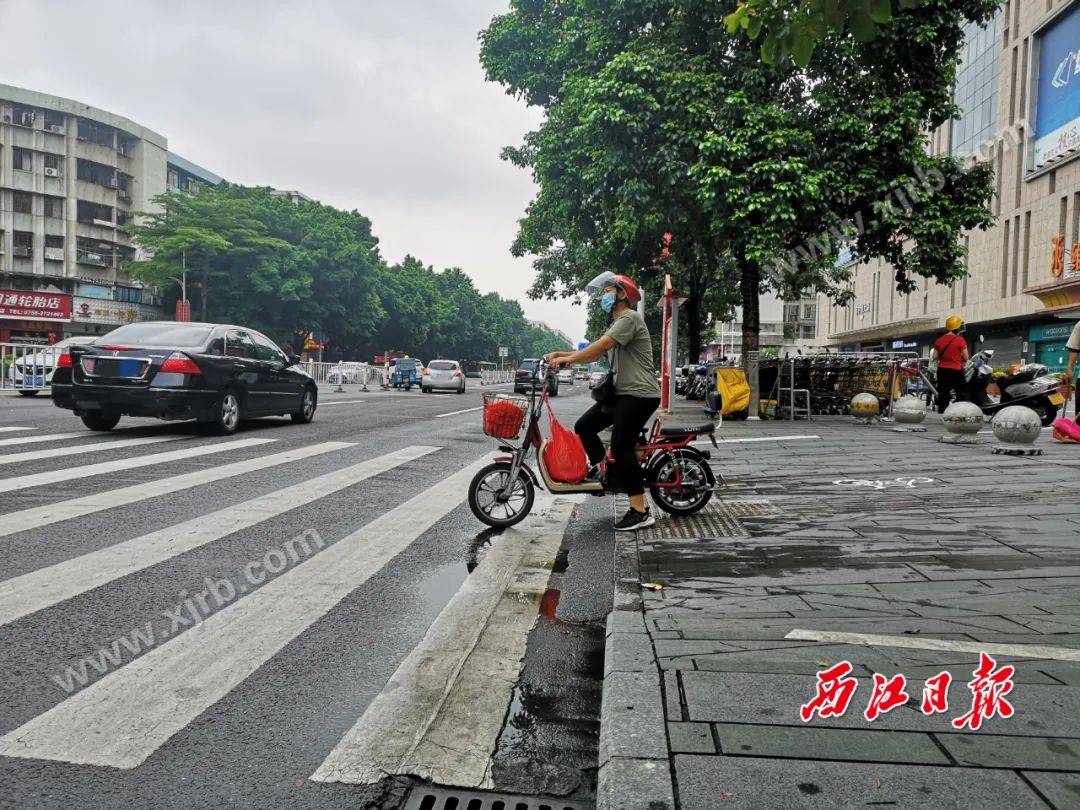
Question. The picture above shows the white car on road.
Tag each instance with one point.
(34, 368)
(442, 375)
(566, 376)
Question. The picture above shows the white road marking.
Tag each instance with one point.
(13, 429)
(720, 440)
(944, 645)
(455, 413)
(39, 516)
(88, 470)
(440, 715)
(45, 587)
(323, 403)
(77, 449)
(51, 437)
(123, 718)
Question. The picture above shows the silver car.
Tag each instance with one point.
(443, 375)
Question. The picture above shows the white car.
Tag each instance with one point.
(595, 378)
(443, 375)
(35, 368)
(566, 376)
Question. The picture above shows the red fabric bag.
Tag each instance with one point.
(564, 455)
(1065, 430)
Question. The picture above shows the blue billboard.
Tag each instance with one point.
(1057, 114)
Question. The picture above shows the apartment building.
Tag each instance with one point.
(783, 325)
(1018, 89)
(71, 177)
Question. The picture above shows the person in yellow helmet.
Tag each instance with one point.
(951, 352)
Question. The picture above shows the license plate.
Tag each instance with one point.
(37, 380)
(129, 368)
(1057, 399)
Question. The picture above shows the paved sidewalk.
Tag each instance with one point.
(845, 533)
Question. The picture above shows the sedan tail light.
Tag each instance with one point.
(426, 373)
(457, 374)
(63, 360)
(179, 363)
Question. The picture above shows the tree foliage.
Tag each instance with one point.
(660, 117)
(291, 270)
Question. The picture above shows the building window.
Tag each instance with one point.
(976, 91)
(22, 159)
(22, 202)
(22, 244)
(22, 116)
(54, 165)
(97, 173)
(54, 122)
(54, 207)
(54, 248)
(93, 213)
(129, 295)
(96, 133)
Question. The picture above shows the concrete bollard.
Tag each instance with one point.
(963, 421)
(1016, 428)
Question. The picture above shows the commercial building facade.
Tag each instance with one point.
(71, 177)
(1018, 89)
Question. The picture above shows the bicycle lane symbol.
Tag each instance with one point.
(892, 483)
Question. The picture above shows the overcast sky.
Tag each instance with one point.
(378, 105)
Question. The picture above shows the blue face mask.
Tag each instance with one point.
(607, 302)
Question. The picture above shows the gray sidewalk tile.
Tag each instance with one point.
(691, 738)
(1000, 751)
(706, 783)
(632, 712)
(808, 742)
(1062, 789)
(635, 784)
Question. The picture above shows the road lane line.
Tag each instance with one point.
(13, 522)
(455, 413)
(13, 429)
(440, 714)
(720, 440)
(74, 450)
(88, 470)
(124, 717)
(943, 645)
(50, 437)
(45, 587)
(324, 402)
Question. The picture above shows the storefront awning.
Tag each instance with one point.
(894, 329)
(1061, 297)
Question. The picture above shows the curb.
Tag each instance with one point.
(635, 771)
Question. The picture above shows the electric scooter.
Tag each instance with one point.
(678, 476)
(1030, 385)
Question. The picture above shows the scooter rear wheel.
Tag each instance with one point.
(489, 508)
(692, 496)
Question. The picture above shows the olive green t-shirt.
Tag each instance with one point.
(635, 374)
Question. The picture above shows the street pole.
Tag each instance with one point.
(185, 310)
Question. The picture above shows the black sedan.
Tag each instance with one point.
(524, 375)
(215, 373)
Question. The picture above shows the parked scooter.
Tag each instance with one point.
(677, 475)
(1030, 385)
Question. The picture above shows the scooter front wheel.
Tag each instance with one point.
(493, 504)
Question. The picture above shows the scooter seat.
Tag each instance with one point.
(682, 430)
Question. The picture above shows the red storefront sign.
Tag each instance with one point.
(35, 306)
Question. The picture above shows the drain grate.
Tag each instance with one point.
(717, 519)
(432, 798)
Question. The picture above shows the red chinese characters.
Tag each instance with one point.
(935, 696)
(26, 305)
(988, 690)
(834, 692)
(888, 694)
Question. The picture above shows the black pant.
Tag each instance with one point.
(626, 416)
(949, 380)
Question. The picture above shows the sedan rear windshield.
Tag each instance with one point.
(442, 365)
(179, 335)
(528, 365)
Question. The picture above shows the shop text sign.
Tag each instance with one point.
(28, 305)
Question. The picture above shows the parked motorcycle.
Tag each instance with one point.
(1030, 385)
(678, 476)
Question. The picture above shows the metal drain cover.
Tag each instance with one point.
(717, 519)
(433, 798)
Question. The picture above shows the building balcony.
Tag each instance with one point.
(94, 259)
(54, 254)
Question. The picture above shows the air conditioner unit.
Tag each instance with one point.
(23, 250)
(95, 257)
(112, 182)
(105, 223)
(51, 172)
(56, 128)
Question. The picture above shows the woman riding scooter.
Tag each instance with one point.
(634, 398)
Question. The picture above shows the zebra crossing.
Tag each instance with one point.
(130, 698)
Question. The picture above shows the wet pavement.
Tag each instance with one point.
(889, 550)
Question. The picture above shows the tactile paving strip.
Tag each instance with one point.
(717, 519)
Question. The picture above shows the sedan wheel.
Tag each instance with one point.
(307, 408)
(29, 393)
(100, 420)
(227, 419)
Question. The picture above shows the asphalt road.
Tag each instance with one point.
(341, 556)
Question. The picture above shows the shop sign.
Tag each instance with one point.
(1051, 331)
(1057, 101)
(905, 344)
(92, 310)
(35, 305)
(863, 309)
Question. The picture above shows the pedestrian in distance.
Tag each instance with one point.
(627, 400)
(951, 353)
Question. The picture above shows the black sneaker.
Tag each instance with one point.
(634, 520)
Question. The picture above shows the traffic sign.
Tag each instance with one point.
(503, 351)
(583, 345)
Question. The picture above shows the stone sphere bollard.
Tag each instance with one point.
(963, 420)
(909, 410)
(865, 408)
(1017, 428)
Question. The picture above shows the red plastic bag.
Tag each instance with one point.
(1065, 430)
(564, 455)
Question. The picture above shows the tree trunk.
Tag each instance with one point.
(750, 290)
(692, 311)
(204, 291)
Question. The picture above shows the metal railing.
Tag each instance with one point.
(344, 373)
(26, 367)
(496, 377)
